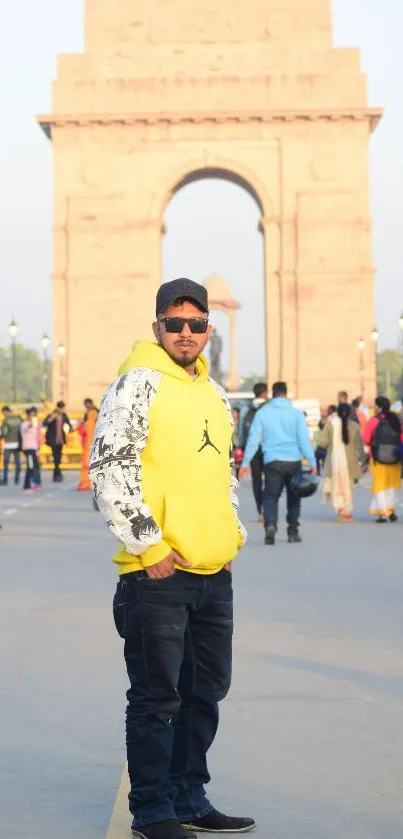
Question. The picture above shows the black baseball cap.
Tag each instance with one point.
(169, 292)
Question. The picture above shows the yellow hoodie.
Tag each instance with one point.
(160, 464)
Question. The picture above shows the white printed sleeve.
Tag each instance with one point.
(115, 466)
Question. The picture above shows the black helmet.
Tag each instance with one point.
(304, 484)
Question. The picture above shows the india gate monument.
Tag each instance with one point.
(169, 92)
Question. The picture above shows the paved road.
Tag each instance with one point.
(311, 737)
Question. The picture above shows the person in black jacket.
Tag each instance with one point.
(56, 424)
(10, 433)
(256, 464)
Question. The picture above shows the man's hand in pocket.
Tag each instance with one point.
(166, 567)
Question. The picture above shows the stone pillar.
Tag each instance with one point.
(107, 275)
(273, 299)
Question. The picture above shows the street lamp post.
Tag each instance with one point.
(375, 340)
(13, 332)
(45, 341)
(61, 352)
(361, 347)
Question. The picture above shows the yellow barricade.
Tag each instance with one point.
(72, 451)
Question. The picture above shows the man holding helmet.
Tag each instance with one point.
(282, 432)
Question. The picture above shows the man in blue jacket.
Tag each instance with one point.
(282, 432)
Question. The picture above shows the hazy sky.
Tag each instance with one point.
(33, 32)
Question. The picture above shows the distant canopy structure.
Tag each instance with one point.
(221, 299)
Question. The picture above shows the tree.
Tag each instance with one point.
(30, 375)
(389, 374)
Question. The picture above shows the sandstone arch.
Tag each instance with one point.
(164, 91)
(229, 170)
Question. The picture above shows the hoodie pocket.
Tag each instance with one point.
(202, 527)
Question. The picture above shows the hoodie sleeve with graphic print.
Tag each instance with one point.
(121, 435)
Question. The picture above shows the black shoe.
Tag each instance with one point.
(57, 478)
(393, 517)
(215, 822)
(381, 520)
(3, 483)
(167, 829)
(270, 538)
(294, 537)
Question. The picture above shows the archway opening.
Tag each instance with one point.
(212, 228)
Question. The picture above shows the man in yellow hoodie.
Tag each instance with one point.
(162, 478)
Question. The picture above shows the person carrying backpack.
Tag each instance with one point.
(256, 464)
(383, 436)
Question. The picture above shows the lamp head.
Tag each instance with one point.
(13, 329)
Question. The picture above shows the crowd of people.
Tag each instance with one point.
(24, 436)
(349, 443)
(272, 442)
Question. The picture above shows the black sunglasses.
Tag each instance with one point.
(197, 326)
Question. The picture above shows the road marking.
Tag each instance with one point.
(35, 501)
(119, 827)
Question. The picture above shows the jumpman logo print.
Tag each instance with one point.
(207, 441)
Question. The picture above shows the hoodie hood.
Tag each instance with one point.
(281, 403)
(152, 355)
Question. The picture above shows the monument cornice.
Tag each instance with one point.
(370, 115)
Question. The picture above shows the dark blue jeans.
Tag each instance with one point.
(178, 645)
(278, 476)
(32, 474)
(256, 468)
(8, 454)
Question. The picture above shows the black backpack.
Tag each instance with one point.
(385, 443)
(249, 417)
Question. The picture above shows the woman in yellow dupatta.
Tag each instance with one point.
(386, 477)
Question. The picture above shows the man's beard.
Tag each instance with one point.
(184, 360)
